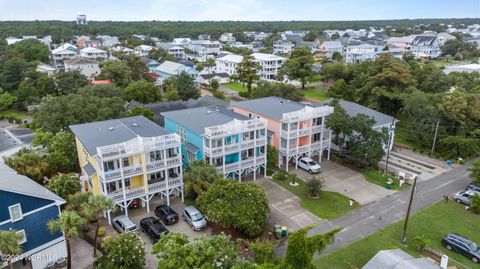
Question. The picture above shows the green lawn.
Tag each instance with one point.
(16, 113)
(330, 205)
(315, 78)
(317, 93)
(236, 86)
(375, 176)
(433, 222)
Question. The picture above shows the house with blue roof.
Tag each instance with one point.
(26, 207)
(235, 144)
(170, 69)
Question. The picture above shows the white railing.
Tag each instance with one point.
(139, 144)
(127, 171)
(162, 163)
(235, 127)
(129, 194)
(154, 187)
(232, 148)
(175, 182)
(306, 113)
(316, 128)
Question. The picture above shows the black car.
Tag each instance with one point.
(166, 214)
(153, 227)
(462, 245)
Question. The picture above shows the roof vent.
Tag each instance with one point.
(209, 112)
(135, 124)
(111, 128)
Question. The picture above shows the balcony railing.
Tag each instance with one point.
(162, 163)
(244, 163)
(140, 191)
(129, 194)
(307, 113)
(232, 148)
(127, 171)
(138, 145)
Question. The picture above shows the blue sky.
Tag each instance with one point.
(264, 10)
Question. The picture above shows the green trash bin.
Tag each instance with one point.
(388, 185)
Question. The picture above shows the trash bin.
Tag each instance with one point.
(388, 185)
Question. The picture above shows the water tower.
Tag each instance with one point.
(81, 19)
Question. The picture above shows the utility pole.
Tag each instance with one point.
(404, 234)
(390, 132)
(435, 137)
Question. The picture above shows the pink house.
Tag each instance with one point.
(295, 129)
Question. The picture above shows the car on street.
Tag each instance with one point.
(462, 245)
(166, 214)
(193, 217)
(309, 165)
(153, 227)
(464, 197)
(123, 224)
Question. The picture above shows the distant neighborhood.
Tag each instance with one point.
(241, 149)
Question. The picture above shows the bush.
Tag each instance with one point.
(101, 231)
(420, 242)
(264, 252)
(475, 204)
(244, 94)
(314, 186)
(292, 177)
(280, 175)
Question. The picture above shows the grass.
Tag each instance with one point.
(16, 113)
(236, 86)
(317, 93)
(315, 78)
(375, 176)
(330, 205)
(433, 222)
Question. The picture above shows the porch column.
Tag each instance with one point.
(168, 189)
(109, 218)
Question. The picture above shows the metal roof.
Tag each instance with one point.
(352, 109)
(89, 169)
(271, 107)
(11, 181)
(191, 148)
(109, 132)
(398, 259)
(197, 119)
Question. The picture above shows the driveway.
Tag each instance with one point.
(341, 179)
(285, 208)
(181, 227)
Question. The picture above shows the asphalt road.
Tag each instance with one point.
(377, 215)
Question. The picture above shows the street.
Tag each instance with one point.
(375, 216)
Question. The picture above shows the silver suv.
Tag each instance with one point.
(123, 224)
(464, 197)
(193, 217)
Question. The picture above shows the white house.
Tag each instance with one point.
(228, 63)
(402, 43)
(122, 50)
(222, 78)
(108, 41)
(65, 51)
(282, 47)
(425, 47)
(270, 64)
(182, 41)
(143, 50)
(227, 37)
(328, 48)
(360, 53)
(88, 67)
(93, 53)
(169, 69)
(444, 37)
(46, 69)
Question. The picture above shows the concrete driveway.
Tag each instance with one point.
(285, 208)
(181, 227)
(341, 179)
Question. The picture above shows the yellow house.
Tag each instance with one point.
(129, 158)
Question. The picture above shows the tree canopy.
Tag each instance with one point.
(299, 66)
(142, 91)
(230, 203)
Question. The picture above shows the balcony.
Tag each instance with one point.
(129, 194)
(236, 147)
(140, 191)
(229, 167)
(128, 171)
(162, 163)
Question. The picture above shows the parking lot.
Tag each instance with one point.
(182, 227)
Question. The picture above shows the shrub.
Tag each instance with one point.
(264, 251)
(475, 204)
(292, 178)
(101, 231)
(420, 242)
(314, 186)
(280, 175)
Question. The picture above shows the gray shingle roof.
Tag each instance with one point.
(11, 181)
(354, 109)
(197, 119)
(398, 259)
(102, 133)
(271, 107)
(191, 148)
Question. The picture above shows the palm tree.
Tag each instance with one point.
(93, 210)
(9, 244)
(69, 222)
(200, 175)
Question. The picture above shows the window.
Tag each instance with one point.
(127, 182)
(125, 162)
(155, 155)
(15, 212)
(183, 134)
(109, 166)
(190, 156)
(23, 239)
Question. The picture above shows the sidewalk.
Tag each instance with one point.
(82, 254)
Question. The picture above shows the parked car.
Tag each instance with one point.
(122, 224)
(309, 165)
(464, 197)
(153, 227)
(474, 187)
(135, 203)
(193, 217)
(462, 245)
(166, 214)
